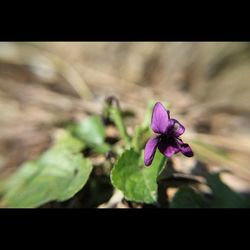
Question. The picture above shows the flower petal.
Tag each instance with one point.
(178, 129)
(168, 147)
(185, 148)
(150, 150)
(160, 119)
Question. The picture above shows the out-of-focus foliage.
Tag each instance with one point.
(58, 174)
(91, 131)
(186, 197)
(222, 196)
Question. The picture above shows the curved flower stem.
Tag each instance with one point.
(113, 112)
(162, 165)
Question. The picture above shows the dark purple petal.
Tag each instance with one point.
(177, 128)
(150, 149)
(160, 119)
(168, 146)
(185, 148)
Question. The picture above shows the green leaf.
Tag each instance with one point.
(186, 197)
(90, 130)
(223, 196)
(137, 182)
(58, 174)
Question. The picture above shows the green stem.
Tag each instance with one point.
(116, 116)
(162, 164)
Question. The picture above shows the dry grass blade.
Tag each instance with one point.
(218, 153)
(35, 56)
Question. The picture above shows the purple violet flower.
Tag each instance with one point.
(167, 140)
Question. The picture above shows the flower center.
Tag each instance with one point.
(165, 137)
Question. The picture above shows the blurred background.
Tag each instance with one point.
(48, 84)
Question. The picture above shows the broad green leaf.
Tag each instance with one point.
(186, 197)
(223, 196)
(137, 182)
(57, 174)
(90, 130)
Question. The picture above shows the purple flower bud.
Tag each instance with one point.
(167, 140)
